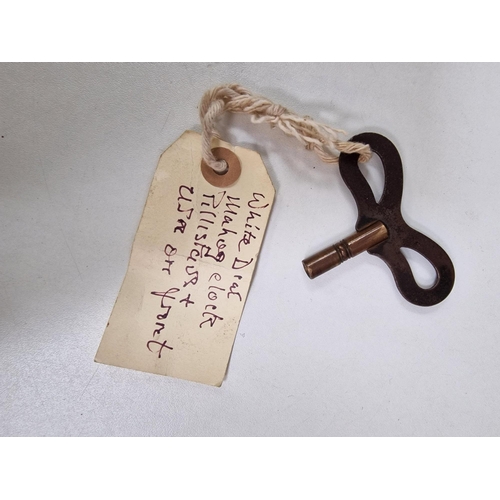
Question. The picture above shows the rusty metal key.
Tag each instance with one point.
(381, 229)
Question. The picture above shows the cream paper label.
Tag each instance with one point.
(190, 268)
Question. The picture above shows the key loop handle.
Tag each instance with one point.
(400, 234)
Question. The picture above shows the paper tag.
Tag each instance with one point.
(190, 268)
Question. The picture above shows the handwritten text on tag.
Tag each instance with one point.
(190, 269)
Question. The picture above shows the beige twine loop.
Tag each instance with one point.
(320, 138)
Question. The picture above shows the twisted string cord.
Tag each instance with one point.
(318, 137)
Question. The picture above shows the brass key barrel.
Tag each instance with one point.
(351, 246)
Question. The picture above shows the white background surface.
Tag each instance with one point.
(341, 355)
